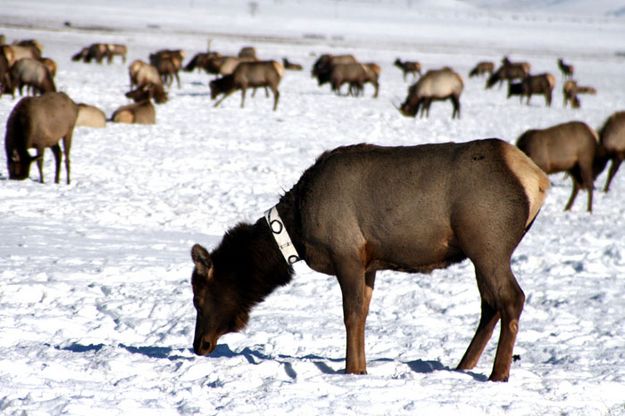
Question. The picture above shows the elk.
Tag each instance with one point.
(32, 73)
(14, 53)
(38, 123)
(482, 68)
(142, 73)
(95, 51)
(246, 75)
(612, 139)
(200, 61)
(426, 207)
(408, 67)
(137, 113)
(5, 76)
(90, 116)
(566, 69)
(168, 63)
(354, 74)
(116, 49)
(508, 71)
(434, 85)
(148, 91)
(568, 147)
(539, 84)
(291, 65)
(248, 52)
(323, 65)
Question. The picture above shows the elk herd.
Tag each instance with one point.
(572, 147)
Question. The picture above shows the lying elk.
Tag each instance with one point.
(508, 71)
(566, 69)
(90, 116)
(33, 74)
(569, 147)
(612, 135)
(291, 66)
(246, 75)
(38, 123)
(435, 85)
(426, 207)
(408, 67)
(482, 68)
(137, 113)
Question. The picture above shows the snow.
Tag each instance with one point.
(95, 304)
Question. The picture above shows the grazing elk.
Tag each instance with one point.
(568, 147)
(116, 49)
(200, 61)
(508, 71)
(38, 123)
(90, 116)
(323, 65)
(168, 63)
(539, 84)
(612, 139)
(292, 66)
(425, 207)
(408, 67)
(482, 68)
(95, 51)
(33, 74)
(434, 85)
(355, 75)
(142, 73)
(566, 69)
(137, 113)
(246, 75)
(148, 91)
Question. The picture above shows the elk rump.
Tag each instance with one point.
(364, 208)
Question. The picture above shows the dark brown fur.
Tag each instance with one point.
(323, 65)
(408, 67)
(291, 66)
(541, 84)
(567, 70)
(38, 123)
(482, 68)
(148, 91)
(355, 75)
(612, 138)
(508, 71)
(403, 208)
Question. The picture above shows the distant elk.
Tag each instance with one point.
(482, 68)
(14, 53)
(363, 208)
(570, 147)
(434, 85)
(323, 65)
(32, 74)
(542, 84)
(31, 43)
(508, 71)
(408, 67)
(95, 52)
(116, 49)
(143, 75)
(137, 113)
(38, 123)
(148, 91)
(249, 75)
(168, 63)
(570, 91)
(248, 52)
(291, 66)
(200, 61)
(612, 138)
(567, 70)
(355, 75)
(224, 65)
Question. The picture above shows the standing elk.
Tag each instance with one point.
(116, 49)
(200, 61)
(435, 85)
(33, 74)
(539, 84)
(364, 208)
(148, 91)
(323, 65)
(94, 52)
(612, 138)
(248, 52)
(168, 63)
(508, 71)
(570, 91)
(482, 68)
(246, 75)
(356, 75)
(5, 76)
(38, 123)
(14, 53)
(408, 67)
(566, 69)
(570, 147)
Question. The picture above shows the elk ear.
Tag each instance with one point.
(202, 260)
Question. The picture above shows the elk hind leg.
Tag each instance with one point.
(616, 163)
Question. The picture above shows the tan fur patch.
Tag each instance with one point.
(532, 178)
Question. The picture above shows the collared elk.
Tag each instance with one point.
(90, 116)
(32, 74)
(568, 147)
(408, 67)
(482, 68)
(434, 85)
(566, 69)
(249, 75)
(612, 138)
(38, 123)
(137, 113)
(413, 209)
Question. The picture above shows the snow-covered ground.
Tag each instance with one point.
(95, 302)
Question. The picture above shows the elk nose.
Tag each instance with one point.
(205, 345)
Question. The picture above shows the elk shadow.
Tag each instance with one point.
(172, 354)
(428, 367)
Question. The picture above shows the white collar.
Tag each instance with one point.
(278, 230)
